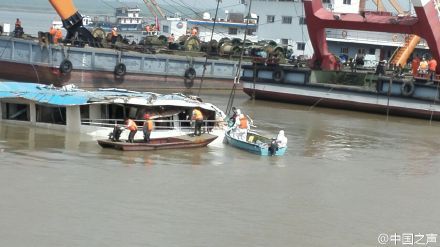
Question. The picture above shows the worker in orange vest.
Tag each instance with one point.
(432, 66)
(148, 127)
(423, 67)
(198, 117)
(415, 65)
(241, 126)
(17, 23)
(58, 36)
(52, 32)
(130, 124)
(114, 35)
(194, 31)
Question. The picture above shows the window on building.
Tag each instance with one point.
(302, 21)
(361, 51)
(326, 1)
(270, 19)
(166, 29)
(347, 2)
(300, 46)
(284, 41)
(286, 20)
(251, 31)
(232, 30)
(344, 50)
(371, 51)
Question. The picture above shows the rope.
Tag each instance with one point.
(388, 95)
(238, 72)
(432, 112)
(206, 58)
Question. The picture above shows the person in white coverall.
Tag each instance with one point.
(241, 126)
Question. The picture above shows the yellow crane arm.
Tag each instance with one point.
(396, 6)
(379, 5)
(154, 8)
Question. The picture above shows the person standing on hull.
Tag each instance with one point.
(423, 67)
(231, 120)
(114, 36)
(148, 127)
(415, 65)
(131, 125)
(432, 66)
(197, 116)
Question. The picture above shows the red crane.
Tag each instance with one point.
(426, 25)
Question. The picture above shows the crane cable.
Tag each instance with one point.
(206, 58)
(238, 72)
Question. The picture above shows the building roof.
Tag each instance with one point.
(220, 23)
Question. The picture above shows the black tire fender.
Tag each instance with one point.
(278, 75)
(407, 88)
(120, 69)
(66, 66)
(190, 75)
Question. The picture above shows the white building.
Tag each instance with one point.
(128, 19)
(232, 26)
(283, 21)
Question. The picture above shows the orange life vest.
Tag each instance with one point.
(194, 32)
(149, 124)
(58, 35)
(131, 125)
(243, 122)
(52, 31)
(432, 64)
(423, 65)
(114, 33)
(197, 115)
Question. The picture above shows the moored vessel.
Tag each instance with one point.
(379, 91)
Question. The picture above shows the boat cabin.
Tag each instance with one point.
(76, 110)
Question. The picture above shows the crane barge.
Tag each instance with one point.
(325, 85)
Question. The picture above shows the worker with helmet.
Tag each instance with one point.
(114, 35)
(148, 127)
(132, 127)
(241, 126)
(198, 117)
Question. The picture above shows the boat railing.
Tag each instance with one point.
(160, 124)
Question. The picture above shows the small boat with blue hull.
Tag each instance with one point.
(255, 143)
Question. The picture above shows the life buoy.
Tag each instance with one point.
(66, 66)
(278, 75)
(120, 69)
(394, 38)
(344, 34)
(407, 88)
(190, 75)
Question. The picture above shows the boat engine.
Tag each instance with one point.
(116, 133)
